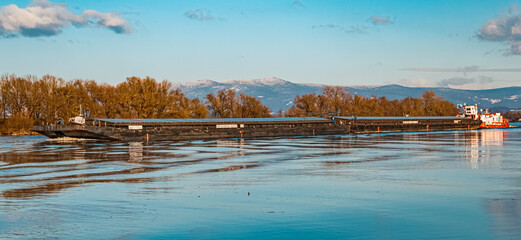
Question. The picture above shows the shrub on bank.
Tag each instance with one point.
(17, 125)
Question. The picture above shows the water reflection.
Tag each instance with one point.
(135, 150)
(232, 148)
(506, 213)
(497, 137)
(481, 145)
(48, 167)
(321, 181)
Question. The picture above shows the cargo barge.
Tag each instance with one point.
(406, 124)
(188, 129)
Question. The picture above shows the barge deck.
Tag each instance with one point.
(188, 129)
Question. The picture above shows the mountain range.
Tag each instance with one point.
(278, 94)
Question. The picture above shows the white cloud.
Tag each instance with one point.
(199, 15)
(515, 48)
(479, 82)
(360, 29)
(380, 20)
(464, 69)
(45, 18)
(420, 82)
(456, 82)
(109, 20)
(506, 28)
(355, 29)
(470, 83)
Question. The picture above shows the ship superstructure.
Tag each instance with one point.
(488, 120)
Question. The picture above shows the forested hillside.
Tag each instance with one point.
(278, 94)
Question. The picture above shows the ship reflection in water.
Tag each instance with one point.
(461, 184)
(482, 145)
(135, 152)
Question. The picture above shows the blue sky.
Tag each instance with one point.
(415, 43)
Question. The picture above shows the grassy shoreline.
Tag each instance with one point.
(18, 134)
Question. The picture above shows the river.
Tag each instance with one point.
(434, 185)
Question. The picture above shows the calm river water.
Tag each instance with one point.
(436, 185)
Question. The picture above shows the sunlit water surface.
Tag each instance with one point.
(437, 185)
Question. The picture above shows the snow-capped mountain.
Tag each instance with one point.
(278, 94)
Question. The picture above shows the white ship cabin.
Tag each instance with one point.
(491, 119)
(471, 111)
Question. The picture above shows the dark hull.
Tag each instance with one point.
(148, 131)
(72, 131)
(382, 124)
(173, 132)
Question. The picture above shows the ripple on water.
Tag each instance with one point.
(410, 185)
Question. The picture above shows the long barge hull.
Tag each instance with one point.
(407, 124)
(188, 129)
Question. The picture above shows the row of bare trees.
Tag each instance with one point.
(512, 116)
(227, 104)
(335, 100)
(26, 100)
(50, 98)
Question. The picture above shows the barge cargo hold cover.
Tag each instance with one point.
(187, 129)
(396, 124)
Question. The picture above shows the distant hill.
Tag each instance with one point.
(278, 94)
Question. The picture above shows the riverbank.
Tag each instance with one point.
(17, 126)
(19, 134)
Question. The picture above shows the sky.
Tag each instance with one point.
(467, 44)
